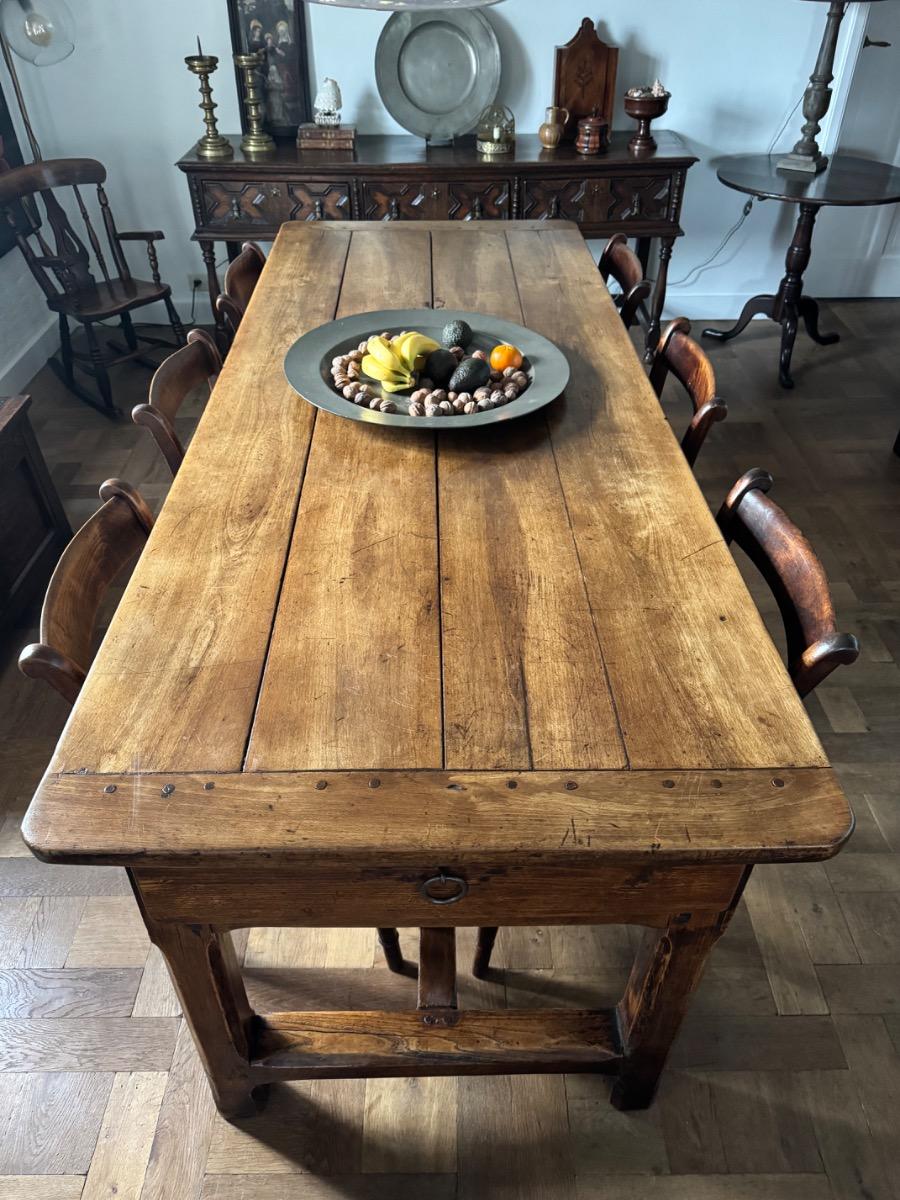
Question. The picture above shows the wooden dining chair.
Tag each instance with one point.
(240, 280)
(60, 261)
(789, 565)
(106, 542)
(197, 363)
(678, 354)
(621, 262)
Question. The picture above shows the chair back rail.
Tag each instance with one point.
(93, 558)
(619, 261)
(199, 362)
(790, 566)
(678, 354)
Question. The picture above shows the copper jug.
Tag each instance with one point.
(552, 129)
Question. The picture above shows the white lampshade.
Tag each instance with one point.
(40, 31)
(405, 5)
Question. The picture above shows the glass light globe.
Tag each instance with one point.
(40, 31)
(406, 5)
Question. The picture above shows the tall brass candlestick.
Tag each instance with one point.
(212, 144)
(255, 140)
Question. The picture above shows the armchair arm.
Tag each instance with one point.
(149, 236)
(141, 235)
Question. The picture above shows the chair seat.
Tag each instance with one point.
(108, 299)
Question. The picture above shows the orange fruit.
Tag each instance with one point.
(505, 356)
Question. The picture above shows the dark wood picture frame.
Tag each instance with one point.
(10, 156)
(265, 24)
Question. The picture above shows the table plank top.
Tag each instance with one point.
(321, 595)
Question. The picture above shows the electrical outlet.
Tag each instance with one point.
(195, 282)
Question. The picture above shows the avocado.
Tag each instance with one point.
(456, 333)
(471, 373)
(439, 366)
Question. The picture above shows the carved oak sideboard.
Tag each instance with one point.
(399, 178)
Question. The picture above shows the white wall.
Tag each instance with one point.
(125, 97)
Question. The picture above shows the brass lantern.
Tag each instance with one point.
(496, 130)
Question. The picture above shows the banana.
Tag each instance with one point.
(389, 386)
(413, 348)
(383, 352)
(376, 370)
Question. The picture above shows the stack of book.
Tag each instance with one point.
(326, 137)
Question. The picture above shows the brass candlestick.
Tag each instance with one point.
(212, 144)
(255, 140)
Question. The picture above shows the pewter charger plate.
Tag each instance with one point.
(436, 71)
(307, 364)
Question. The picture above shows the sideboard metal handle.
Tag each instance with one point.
(442, 880)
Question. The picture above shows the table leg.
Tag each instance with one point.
(666, 971)
(207, 978)
(756, 306)
(659, 297)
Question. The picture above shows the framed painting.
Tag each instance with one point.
(277, 27)
(10, 156)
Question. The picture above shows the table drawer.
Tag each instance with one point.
(474, 893)
(232, 203)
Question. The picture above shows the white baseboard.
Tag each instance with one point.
(29, 360)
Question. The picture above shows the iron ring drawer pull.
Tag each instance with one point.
(444, 879)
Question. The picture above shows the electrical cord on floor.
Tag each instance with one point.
(695, 272)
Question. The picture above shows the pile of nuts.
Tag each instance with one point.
(428, 400)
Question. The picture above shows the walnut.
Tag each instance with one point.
(374, 402)
(520, 379)
(419, 396)
(339, 361)
(511, 392)
(350, 390)
(497, 398)
(496, 376)
(446, 408)
(341, 381)
(417, 410)
(481, 393)
(432, 410)
(438, 396)
(464, 398)
(387, 406)
(470, 407)
(458, 404)
(485, 404)
(353, 370)
(451, 396)
(508, 372)
(482, 354)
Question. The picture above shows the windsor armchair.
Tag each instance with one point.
(64, 271)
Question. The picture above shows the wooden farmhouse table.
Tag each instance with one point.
(366, 676)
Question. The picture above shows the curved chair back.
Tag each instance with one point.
(677, 353)
(621, 262)
(199, 362)
(93, 558)
(792, 570)
(240, 280)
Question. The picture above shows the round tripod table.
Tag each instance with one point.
(847, 182)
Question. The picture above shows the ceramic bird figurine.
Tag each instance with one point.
(328, 103)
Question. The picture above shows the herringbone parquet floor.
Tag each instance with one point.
(785, 1083)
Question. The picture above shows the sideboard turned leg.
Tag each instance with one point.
(207, 978)
(659, 297)
(666, 972)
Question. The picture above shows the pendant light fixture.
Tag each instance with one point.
(40, 31)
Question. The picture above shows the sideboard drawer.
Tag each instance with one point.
(582, 200)
(227, 203)
(479, 201)
(400, 200)
(637, 198)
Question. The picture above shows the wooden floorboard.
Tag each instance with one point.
(785, 1084)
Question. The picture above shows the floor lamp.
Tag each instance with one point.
(43, 34)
